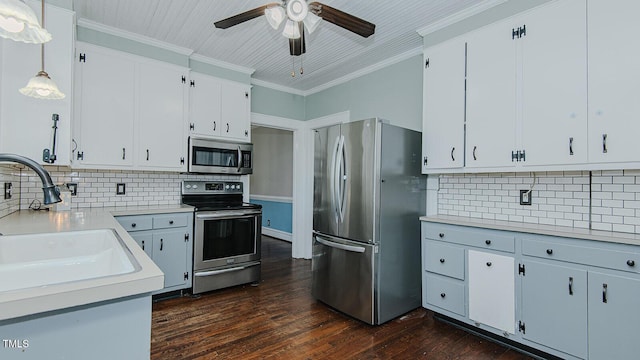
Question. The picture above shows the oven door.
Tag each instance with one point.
(226, 237)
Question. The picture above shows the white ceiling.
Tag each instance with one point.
(332, 52)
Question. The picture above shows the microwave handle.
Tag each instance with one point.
(239, 159)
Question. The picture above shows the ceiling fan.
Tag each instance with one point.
(300, 15)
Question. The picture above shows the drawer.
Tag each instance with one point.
(447, 294)
(470, 236)
(135, 223)
(169, 221)
(612, 256)
(444, 259)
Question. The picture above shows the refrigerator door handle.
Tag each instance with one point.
(342, 177)
(327, 242)
(334, 179)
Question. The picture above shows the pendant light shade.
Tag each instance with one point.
(18, 22)
(291, 30)
(42, 87)
(275, 15)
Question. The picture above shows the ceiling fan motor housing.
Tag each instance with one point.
(297, 10)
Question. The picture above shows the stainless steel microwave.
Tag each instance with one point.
(209, 156)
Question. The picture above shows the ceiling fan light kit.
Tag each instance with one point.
(275, 16)
(297, 10)
(311, 22)
(291, 30)
(19, 23)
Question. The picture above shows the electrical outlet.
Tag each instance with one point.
(73, 187)
(7, 190)
(525, 197)
(120, 189)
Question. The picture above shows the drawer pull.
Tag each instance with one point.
(161, 244)
(488, 242)
(604, 293)
(549, 251)
(442, 295)
(133, 225)
(170, 222)
(631, 263)
(570, 285)
(441, 261)
(489, 263)
(441, 235)
(142, 244)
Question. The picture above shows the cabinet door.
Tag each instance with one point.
(613, 316)
(170, 254)
(144, 240)
(26, 125)
(554, 84)
(444, 104)
(491, 97)
(492, 290)
(161, 112)
(106, 107)
(204, 105)
(236, 110)
(554, 307)
(614, 67)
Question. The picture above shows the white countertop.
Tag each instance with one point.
(59, 296)
(561, 231)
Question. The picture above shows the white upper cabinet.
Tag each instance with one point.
(443, 113)
(554, 85)
(204, 105)
(491, 97)
(105, 107)
(614, 70)
(129, 111)
(161, 113)
(219, 108)
(25, 122)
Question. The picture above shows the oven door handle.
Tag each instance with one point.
(216, 272)
(227, 214)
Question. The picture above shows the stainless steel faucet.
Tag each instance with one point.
(51, 192)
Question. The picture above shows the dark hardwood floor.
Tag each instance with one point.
(278, 319)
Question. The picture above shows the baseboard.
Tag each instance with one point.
(278, 234)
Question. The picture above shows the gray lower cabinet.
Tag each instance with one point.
(574, 298)
(167, 240)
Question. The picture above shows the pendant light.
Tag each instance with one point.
(19, 23)
(41, 86)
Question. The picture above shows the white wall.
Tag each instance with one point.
(272, 162)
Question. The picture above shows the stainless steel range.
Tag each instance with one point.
(226, 235)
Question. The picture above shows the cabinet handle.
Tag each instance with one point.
(425, 161)
(227, 127)
(161, 244)
(452, 150)
(570, 285)
(442, 295)
(604, 143)
(123, 153)
(604, 293)
(170, 222)
(147, 154)
(489, 263)
(474, 153)
(631, 263)
(570, 146)
(441, 261)
(441, 235)
(488, 242)
(142, 244)
(214, 126)
(549, 251)
(133, 225)
(191, 126)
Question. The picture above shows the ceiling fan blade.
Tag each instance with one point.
(342, 19)
(242, 17)
(297, 46)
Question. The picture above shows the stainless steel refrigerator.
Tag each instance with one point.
(368, 196)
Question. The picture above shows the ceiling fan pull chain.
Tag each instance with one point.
(301, 69)
(293, 67)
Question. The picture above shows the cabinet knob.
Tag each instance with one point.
(488, 242)
(488, 263)
(549, 251)
(170, 222)
(631, 263)
(133, 225)
(442, 295)
(441, 235)
(441, 261)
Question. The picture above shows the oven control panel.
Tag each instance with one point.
(195, 187)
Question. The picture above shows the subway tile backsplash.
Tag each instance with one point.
(604, 200)
(97, 188)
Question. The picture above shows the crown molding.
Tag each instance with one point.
(459, 16)
(222, 64)
(277, 87)
(92, 25)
